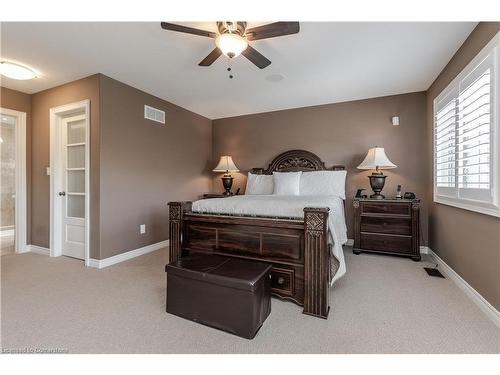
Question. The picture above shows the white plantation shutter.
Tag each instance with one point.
(474, 133)
(466, 140)
(444, 142)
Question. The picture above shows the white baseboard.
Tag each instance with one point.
(473, 294)
(38, 250)
(102, 263)
(424, 250)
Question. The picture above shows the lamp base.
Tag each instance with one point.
(377, 182)
(227, 182)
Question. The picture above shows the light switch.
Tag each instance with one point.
(48, 171)
(142, 228)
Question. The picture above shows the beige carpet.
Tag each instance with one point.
(383, 305)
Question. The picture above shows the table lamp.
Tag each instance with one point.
(378, 160)
(226, 165)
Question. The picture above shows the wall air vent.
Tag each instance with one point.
(154, 114)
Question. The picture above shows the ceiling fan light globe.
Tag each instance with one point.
(231, 45)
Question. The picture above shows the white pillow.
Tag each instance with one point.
(259, 184)
(287, 183)
(323, 183)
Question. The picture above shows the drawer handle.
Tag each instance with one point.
(385, 224)
(281, 280)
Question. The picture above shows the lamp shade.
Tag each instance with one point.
(376, 159)
(226, 164)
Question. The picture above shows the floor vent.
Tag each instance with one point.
(433, 272)
(154, 114)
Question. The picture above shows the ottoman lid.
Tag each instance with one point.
(225, 271)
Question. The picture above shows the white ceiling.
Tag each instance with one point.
(325, 63)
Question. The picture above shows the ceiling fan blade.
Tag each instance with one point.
(272, 30)
(188, 30)
(256, 57)
(212, 56)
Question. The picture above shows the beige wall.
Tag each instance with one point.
(467, 241)
(338, 133)
(19, 101)
(42, 102)
(136, 165)
(145, 164)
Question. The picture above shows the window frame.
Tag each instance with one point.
(492, 48)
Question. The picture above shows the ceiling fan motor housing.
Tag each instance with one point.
(230, 27)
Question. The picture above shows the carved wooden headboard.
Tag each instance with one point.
(294, 161)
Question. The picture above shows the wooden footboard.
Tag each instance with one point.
(298, 249)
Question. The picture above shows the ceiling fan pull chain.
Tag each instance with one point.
(229, 69)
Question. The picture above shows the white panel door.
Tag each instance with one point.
(73, 186)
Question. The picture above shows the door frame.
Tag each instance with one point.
(56, 115)
(21, 214)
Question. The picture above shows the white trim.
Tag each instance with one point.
(462, 203)
(38, 250)
(473, 294)
(424, 250)
(493, 208)
(102, 263)
(7, 232)
(56, 114)
(21, 216)
(350, 242)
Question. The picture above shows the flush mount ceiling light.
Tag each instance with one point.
(16, 71)
(231, 45)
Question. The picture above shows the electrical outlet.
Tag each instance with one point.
(142, 228)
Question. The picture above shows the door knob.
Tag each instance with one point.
(62, 193)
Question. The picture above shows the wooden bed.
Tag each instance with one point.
(297, 248)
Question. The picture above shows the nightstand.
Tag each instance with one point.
(214, 195)
(387, 226)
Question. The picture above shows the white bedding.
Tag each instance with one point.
(285, 207)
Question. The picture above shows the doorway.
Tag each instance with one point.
(13, 228)
(69, 180)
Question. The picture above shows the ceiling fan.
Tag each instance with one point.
(233, 37)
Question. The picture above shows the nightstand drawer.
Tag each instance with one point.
(386, 243)
(390, 225)
(385, 208)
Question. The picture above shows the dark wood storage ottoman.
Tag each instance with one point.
(230, 294)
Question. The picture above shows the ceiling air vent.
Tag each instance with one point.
(154, 114)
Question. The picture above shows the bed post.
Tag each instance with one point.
(316, 262)
(176, 215)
